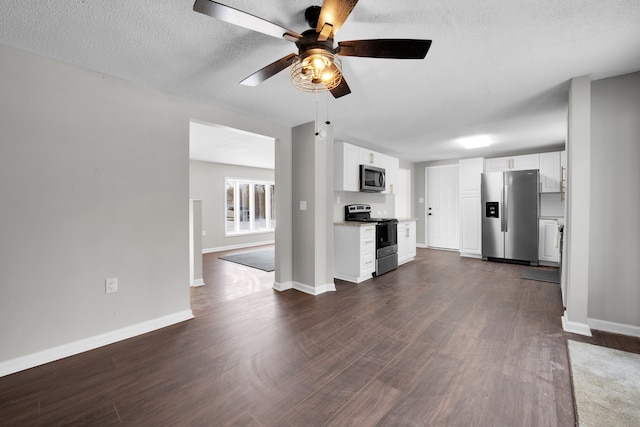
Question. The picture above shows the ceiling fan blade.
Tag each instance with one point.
(341, 90)
(269, 71)
(385, 48)
(243, 19)
(334, 13)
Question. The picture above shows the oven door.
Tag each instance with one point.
(386, 238)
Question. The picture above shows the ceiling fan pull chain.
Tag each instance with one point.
(315, 94)
(328, 122)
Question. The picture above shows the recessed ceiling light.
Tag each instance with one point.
(477, 141)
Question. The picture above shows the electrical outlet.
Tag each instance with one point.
(111, 285)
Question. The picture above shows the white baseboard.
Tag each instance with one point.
(314, 290)
(40, 358)
(421, 245)
(575, 327)
(239, 246)
(470, 255)
(307, 289)
(351, 278)
(285, 286)
(198, 282)
(614, 327)
(548, 263)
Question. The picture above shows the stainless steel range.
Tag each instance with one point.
(386, 236)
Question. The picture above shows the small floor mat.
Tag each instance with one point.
(551, 276)
(263, 259)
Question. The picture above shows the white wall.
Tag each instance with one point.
(312, 184)
(577, 221)
(94, 183)
(206, 182)
(614, 267)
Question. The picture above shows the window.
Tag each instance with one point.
(250, 206)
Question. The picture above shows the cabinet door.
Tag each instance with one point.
(471, 225)
(529, 161)
(346, 167)
(547, 251)
(469, 171)
(499, 164)
(403, 242)
(370, 157)
(519, 163)
(411, 239)
(550, 172)
(392, 166)
(406, 241)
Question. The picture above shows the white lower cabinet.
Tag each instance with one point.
(354, 252)
(470, 226)
(548, 253)
(406, 241)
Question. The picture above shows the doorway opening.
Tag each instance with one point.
(219, 155)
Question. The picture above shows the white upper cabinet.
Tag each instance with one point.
(347, 159)
(346, 165)
(469, 175)
(392, 167)
(372, 158)
(550, 172)
(530, 161)
(501, 164)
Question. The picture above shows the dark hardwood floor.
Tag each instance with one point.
(443, 340)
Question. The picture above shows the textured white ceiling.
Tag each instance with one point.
(495, 67)
(220, 144)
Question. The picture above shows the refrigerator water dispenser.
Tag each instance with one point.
(491, 210)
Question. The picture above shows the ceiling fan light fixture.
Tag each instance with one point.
(316, 70)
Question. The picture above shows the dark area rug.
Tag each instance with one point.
(551, 276)
(263, 259)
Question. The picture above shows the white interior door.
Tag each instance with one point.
(442, 207)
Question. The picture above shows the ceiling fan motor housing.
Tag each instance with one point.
(312, 15)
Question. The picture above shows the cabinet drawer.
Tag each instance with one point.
(367, 236)
(368, 262)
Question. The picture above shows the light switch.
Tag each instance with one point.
(303, 205)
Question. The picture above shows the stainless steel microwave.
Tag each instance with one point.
(372, 179)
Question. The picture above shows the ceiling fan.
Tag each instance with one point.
(317, 66)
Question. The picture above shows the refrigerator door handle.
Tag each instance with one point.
(503, 204)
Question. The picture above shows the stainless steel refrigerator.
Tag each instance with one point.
(510, 215)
